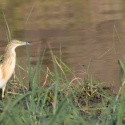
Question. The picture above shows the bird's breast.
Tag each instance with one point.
(6, 69)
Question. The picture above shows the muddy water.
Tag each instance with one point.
(83, 29)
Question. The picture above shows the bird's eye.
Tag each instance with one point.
(18, 42)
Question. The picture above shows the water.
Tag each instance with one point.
(84, 30)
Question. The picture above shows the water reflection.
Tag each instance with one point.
(83, 29)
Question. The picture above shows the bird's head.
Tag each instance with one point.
(16, 43)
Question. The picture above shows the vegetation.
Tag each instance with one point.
(61, 102)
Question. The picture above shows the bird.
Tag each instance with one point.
(7, 65)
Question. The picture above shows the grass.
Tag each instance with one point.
(61, 103)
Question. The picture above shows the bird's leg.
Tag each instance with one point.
(2, 96)
(3, 89)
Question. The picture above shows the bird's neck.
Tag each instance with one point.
(10, 56)
(8, 64)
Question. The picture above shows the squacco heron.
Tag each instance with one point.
(7, 65)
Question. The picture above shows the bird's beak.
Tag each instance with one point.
(25, 43)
